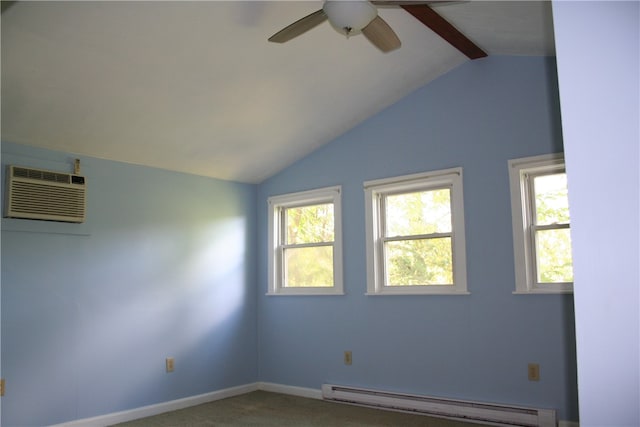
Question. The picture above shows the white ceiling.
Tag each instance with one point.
(195, 86)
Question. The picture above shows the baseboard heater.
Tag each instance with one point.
(475, 412)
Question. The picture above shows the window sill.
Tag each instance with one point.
(408, 292)
(304, 292)
(543, 292)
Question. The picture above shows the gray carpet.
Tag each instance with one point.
(262, 408)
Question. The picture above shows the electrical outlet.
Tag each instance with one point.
(169, 364)
(347, 358)
(534, 372)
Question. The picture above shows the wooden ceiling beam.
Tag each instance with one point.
(444, 29)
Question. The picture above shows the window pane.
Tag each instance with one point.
(308, 267)
(422, 212)
(552, 203)
(309, 224)
(419, 262)
(553, 249)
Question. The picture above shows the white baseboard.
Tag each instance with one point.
(148, 411)
(173, 405)
(311, 393)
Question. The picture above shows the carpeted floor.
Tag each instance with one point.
(262, 408)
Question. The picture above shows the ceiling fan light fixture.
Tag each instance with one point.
(349, 17)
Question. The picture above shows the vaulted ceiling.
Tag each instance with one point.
(194, 86)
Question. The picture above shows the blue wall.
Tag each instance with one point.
(477, 347)
(170, 264)
(164, 266)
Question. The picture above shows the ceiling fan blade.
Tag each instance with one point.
(381, 35)
(444, 29)
(299, 27)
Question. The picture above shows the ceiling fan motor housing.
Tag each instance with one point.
(349, 17)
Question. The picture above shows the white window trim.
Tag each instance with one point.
(375, 264)
(275, 203)
(523, 249)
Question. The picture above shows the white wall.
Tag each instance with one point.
(597, 50)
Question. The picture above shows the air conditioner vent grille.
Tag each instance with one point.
(45, 195)
(41, 175)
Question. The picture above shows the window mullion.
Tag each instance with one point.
(381, 252)
(282, 238)
(382, 215)
(417, 237)
(530, 225)
(530, 200)
(282, 213)
(551, 227)
(307, 245)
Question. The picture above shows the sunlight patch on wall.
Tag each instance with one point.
(165, 293)
(216, 274)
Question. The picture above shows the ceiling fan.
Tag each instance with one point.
(361, 16)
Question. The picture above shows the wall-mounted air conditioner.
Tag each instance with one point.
(44, 195)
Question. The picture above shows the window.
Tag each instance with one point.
(305, 244)
(541, 225)
(415, 234)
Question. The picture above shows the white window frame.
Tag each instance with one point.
(277, 233)
(520, 172)
(374, 191)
